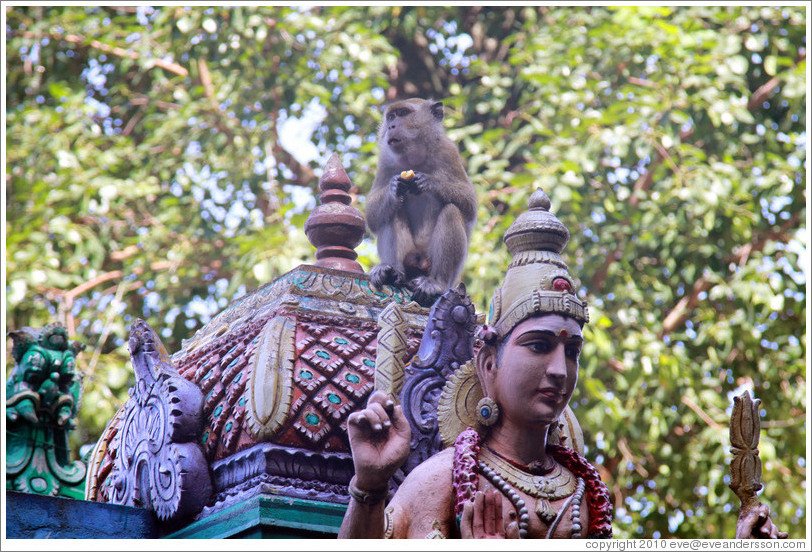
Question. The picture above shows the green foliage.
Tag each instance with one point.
(155, 169)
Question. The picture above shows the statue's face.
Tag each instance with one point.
(537, 369)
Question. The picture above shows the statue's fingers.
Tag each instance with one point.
(773, 531)
(478, 524)
(399, 422)
(466, 521)
(358, 420)
(366, 421)
(512, 530)
(378, 417)
(493, 513)
(379, 397)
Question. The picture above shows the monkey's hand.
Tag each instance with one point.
(419, 183)
(399, 187)
(379, 440)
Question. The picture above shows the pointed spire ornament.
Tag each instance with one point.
(334, 227)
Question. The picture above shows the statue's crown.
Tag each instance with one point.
(537, 280)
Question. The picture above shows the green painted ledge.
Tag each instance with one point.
(268, 517)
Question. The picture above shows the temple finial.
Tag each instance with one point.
(334, 227)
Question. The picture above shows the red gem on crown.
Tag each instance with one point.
(560, 284)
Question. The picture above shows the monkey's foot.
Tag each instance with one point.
(426, 290)
(384, 274)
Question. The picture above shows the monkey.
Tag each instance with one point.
(422, 206)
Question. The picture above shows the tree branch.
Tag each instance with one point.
(682, 311)
(763, 92)
(170, 66)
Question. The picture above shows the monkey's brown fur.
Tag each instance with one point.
(422, 224)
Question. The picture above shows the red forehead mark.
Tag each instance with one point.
(563, 333)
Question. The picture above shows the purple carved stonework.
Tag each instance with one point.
(448, 342)
(159, 465)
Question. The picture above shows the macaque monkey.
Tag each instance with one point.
(422, 205)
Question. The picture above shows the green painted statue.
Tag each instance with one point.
(42, 399)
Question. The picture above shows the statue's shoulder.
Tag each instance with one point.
(432, 475)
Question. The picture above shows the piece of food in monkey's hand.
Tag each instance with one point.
(407, 175)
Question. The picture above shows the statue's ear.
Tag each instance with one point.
(437, 110)
(486, 367)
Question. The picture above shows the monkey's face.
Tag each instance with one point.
(408, 127)
(399, 127)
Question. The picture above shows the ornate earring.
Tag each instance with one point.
(487, 411)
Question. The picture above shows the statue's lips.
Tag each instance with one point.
(551, 393)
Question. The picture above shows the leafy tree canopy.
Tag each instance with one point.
(161, 161)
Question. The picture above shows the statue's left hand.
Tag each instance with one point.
(755, 523)
(482, 518)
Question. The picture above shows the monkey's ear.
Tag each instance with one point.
(437, 110)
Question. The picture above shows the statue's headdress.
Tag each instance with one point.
(537, 280)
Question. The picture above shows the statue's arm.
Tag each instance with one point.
(363, 521)
(379, 438)
(422, 507)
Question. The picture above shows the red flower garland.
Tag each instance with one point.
(597, 494)
(465, 479)
(464, 474)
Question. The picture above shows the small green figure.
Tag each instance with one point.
(42, 399)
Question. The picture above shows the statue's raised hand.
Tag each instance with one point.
(379, 438)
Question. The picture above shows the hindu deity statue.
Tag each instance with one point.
(42, 399)
(512, 466)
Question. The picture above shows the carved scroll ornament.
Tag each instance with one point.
(159, 465)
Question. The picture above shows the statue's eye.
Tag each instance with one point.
(542, 346)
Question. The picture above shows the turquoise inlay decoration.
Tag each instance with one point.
(217, 411)
(205, 437)
(312, 419)
(232, 363)
(370, 363)
(306, 375)
(323, 354)
(242, 402)
(352, 378)
(341, 341)
(228, 427)
(333, 398)
(237, 378)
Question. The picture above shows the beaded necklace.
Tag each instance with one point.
(546, 487)
(467, 467)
